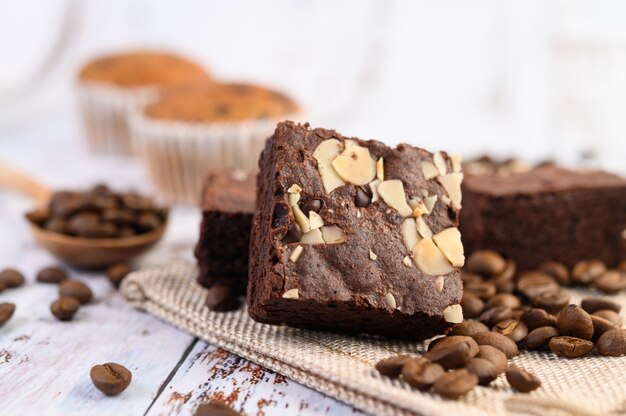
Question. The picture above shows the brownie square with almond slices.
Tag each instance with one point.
(353, 236)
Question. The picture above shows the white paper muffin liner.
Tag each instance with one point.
(106, 110)
(179, 155)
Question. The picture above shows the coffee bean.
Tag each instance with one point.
(215, 409)
(6, 312)
(392, 366)
(505, 300)
(148, 221)
(492, 316)
(535, 318)
(611, 282)
(517, 313)
(221, 298)
(51, 275)
(38, 216)
(483, 369)
(63, 204)
(540, 337)
(483, 290)
(110, 378)
(83, 223)
(117, 272)
(609, 315)
(455, 384)
(468, 277)
(486, 262)
(469, 327)
(512, 329)
(612, 343)
(573, 321)
(600, 326)
(65, 308)
(557, 270)
(75, 289)
(596, 303)
(120, 217)
(570, 347)
(451, 356)
(508, 273)
(11, 278)
(494, 356)
(622, 265)
(314, 205)
(499, 341)
(420, 373)
(521, 380)
(57, 225)
(534, 283)
(294, 234)
(551, 301)
(444, 342)
(125, 232)
(585, 271)
(503, 285)
(472, 305)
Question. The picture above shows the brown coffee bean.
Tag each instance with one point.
(469, 327)
(362, 198)
(455, 384)
(120, 217)
(622, 265)
(483, 290)
(222, 298)
(117, 272)
(508, 273)
(600, 326)
(551, 301)
(535, 318)
(492, 316)
(483, 369)
(110, 378)
(494, 356)
(38, 216)
(468, 277)
(609, 315)
(420, 373)
(512, 329)
(533, 283)
(57, 225)
(570, 347)
(83, 223)
(51, 275)
(557, 270)
(540, 337)
(215, 409)
(521, 380)
(472, 305)
(75, 289)
(392, 366)
(486, 262)
(505, 300)
(611, 282)
(6, 312)
(65, 308)
(101, 230)
(451, 356)
(612, 343)
(596, 303)
(585, 271)
(517, 313)
(148, 221)
(11, 278)
(314, 205)
(573, 321)
(452, 340)
(503, 285)
(499, 341)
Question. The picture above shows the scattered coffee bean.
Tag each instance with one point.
(65, 308)
(483, 369)
(600, 326)
(521, 380)
(51, 275)
(472, 305)
(468, 277)
(551, 301)
(557, 270)
(611, 282)
(494, 356)
(117, 272)
(499, 341)
(503, 285)
(584, 272)
(469, 327)
(596, 303)
(392, 366)
(452, 340)
(57, 225)
(6, 312)
(486, 262)
(570, 347)
(455, 384)
(484, 290)
(451, 356)
(120, 217)
(573, 321)
(508, 273)
(215, 409)
(492, 316)
(517, 313)
(420, 373)
(609, 315)
(512, 329)
(532, 284)
(110, 378)
(11, 278)
(535, 318)
(612, 342)
(221, 298)
(75, 289)
(504, 300)
(148, 221)
(540, 337)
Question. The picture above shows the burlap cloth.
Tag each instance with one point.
(343, 367)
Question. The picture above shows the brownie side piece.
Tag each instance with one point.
(548, 213)
(222, 249)
(352, 236)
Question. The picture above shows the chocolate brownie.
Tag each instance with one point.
(547, 213)
(222, 250)
(352, 236)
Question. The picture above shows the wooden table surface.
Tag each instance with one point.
(44, 363)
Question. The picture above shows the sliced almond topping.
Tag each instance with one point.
(300, 218)
(294, 199)
(390, 301)
(440, 163)
(291, 294)
(452, 184)
(446, 200)
(453, 314)
(407, 261)
(439, 283)
(409, 234)
(355, 164)
(380, 169)
(429, 170)
(325, 153)
(294, 189)
(430, 260)
(373, 255)
(295, 254)
(392, 192)
(358, 213)
(422, 228)
(315, 221)
(312, 237)
(456, 162)
(424, 193)
(331, 234)
(418, 211)
(374, 188)
(449, 242)
(430, 202)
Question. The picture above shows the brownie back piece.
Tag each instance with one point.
(546, 214)
(352, 236)
(222, 250)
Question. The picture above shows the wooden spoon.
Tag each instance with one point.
(88, 253)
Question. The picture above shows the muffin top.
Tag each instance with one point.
(220, 102)
(142, 68)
